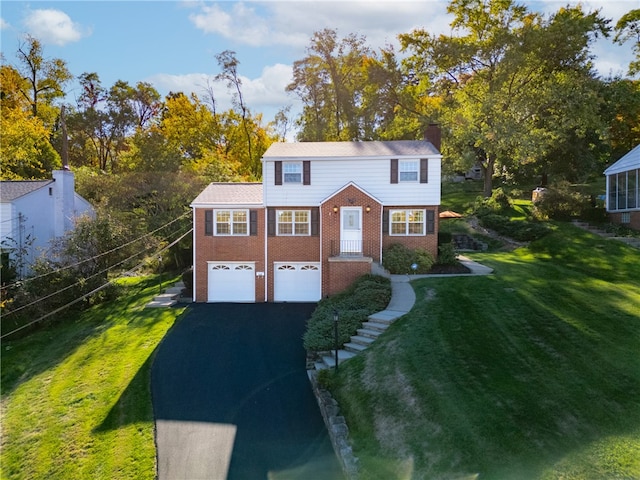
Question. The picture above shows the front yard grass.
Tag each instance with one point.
(76, 399)
(531, 373)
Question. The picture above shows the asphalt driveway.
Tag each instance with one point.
(232, 399)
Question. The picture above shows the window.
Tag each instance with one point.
(408, 171)
(293, 222)
(292, 172)
(231, 222)
(407, 222)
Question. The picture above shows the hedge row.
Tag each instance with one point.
(368, 294)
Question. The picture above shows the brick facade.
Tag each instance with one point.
(226, 249)
(634, 217)
(429, 242)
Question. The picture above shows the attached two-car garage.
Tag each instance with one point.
(236, 282)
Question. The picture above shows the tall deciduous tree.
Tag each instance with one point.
(505, 75)
(330, 81)
(628, 29)
(45, 78)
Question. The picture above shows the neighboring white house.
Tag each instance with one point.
(34, 212)
(623, 190)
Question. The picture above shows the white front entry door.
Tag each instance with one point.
(351, 230)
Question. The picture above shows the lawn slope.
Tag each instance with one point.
(76, 397)
(531, 373)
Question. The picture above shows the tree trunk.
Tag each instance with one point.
(488, 168)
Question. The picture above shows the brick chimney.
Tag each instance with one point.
(433, 134)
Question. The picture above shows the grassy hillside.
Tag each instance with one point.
(75, 396)
(531, 373)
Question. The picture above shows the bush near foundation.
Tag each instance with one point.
(368, 294)
(398, 259)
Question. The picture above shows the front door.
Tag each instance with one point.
(351, 230)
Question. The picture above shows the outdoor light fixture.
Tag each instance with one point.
(335, 209)
(335, 334)
(367, 208)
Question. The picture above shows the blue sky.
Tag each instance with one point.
(173, 44)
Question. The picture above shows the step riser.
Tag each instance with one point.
(380, 327)
(369, 333)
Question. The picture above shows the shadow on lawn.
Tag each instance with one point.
(48, 346)
(134, 403)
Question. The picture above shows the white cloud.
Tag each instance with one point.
(264, 94)
(53, 27)
(4, 24)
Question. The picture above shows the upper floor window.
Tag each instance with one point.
(292, 172)
(293, 222)
(408, 170)
(407, 222)
(231, 222)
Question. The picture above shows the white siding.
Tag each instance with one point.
(372, 175)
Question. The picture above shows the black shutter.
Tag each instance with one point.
(315, 222)
(208, 223)
(424, 170)
(306, 172)
(271, 222)
(394, 170)
(278, 172)
(253, 222)
(385, 222)
(431, 221)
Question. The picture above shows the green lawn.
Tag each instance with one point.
(531, 373)
(76, 397)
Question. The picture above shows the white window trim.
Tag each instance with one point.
(293, 224)
(231, 223)
(406, 222)
(284, 173)
(404, 163)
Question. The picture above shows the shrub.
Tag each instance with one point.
(447, 255)
(498, 202)
(444, 237)
(520, 230)
(398, 258)
(561, 202)
(367, 295)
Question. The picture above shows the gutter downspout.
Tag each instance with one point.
(193, 269)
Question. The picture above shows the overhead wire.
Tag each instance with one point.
(22, 282)
(95, 290)
(53, 294)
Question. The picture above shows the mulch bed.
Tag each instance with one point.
(448, 269)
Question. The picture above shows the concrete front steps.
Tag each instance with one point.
(377, 324)
(167, 299)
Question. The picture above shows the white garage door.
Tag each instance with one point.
(297, 282)
(232, 282)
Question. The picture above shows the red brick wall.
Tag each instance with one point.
(290, 249)
(342, 273)
(634, 217)
(429, 241)
(336, 277)
(231, 248)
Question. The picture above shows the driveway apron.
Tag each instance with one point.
(231, 397)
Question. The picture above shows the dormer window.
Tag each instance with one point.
(292, 172)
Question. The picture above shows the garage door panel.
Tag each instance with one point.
(297, 282)
(232, 282)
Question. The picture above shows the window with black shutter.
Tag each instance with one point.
(208, 223)
(315, 222)
(278, 172)
(306, 172)
(385, 221)
(394, 170)
(424, 170)
(271, 222)
(253, 222)
(431, 221)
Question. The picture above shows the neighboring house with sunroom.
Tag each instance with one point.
(35, 212)
(623, 190)
(322, 217)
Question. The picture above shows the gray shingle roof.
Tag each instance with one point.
(230, 194)
(12, 189)
(397, 148)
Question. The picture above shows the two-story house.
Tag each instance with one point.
(323, 214)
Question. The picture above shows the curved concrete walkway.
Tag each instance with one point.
(402, 300)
